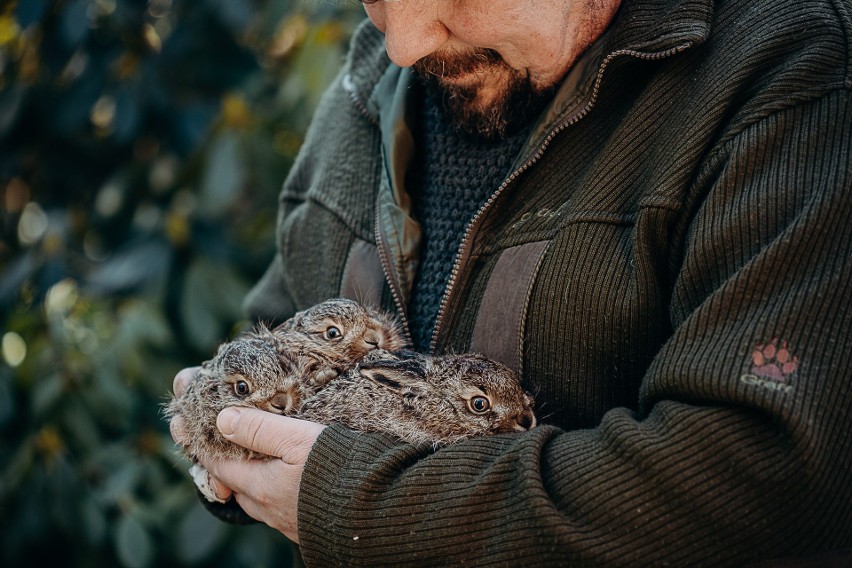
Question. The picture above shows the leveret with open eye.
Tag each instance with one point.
(250, 372)
(338, 333)
(434, 400)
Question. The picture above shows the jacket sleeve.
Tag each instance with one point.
(740, 448)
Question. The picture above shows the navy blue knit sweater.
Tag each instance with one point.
(451, 177)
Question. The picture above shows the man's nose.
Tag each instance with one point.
(413, 29)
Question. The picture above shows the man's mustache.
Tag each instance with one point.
(454, 64)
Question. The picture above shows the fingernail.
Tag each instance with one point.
(220, 493)
(227, 421)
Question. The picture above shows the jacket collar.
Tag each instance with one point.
(651, 26)
(641, 26)
(643, 29)
(382, 91)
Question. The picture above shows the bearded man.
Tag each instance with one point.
(644, 210)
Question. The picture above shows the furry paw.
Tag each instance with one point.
(201, 477)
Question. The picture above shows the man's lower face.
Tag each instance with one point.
(482, 96)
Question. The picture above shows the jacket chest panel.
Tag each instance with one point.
(577, 312)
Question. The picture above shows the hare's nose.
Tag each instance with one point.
(282, 402)
(373, 339)
(526, 421)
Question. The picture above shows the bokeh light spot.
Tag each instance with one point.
(14, 349)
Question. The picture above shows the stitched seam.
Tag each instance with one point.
(521, 325)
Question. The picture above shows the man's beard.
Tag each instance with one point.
(516, 104)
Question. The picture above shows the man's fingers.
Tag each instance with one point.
(222, 492)
(177, 427)
(182, 380)
(268, 489)
(278, 436)
(253, 477)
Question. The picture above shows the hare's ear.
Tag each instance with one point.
(397, 361)
(391, 376)
(404, 353)
(282, 329)
(325, 375)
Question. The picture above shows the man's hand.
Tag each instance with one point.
(179, 386)
(267, 490)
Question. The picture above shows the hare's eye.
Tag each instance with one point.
(241, 388)
(479, 404)
(332, 333)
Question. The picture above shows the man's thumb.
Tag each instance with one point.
(227, 421)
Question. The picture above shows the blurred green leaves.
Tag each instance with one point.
(211, 296)
(142, 148)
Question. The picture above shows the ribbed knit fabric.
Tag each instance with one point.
(449, 180)
(687, 330)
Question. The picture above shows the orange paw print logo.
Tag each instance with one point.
(773, 361)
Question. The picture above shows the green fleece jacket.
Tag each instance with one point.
(668, 267)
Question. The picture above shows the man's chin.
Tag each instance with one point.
(488, 112)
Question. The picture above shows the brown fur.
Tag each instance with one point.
(425, 399)
(349, 377)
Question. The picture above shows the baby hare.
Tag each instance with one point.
(334, 335)
(421, 399)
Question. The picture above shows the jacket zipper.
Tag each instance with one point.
(381, 246)
(346, 84)
(573, 118)
(387, 268)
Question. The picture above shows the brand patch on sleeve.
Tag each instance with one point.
(772, 366)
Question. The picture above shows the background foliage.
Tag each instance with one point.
(142, 147)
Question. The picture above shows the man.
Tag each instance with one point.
(643, 209)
